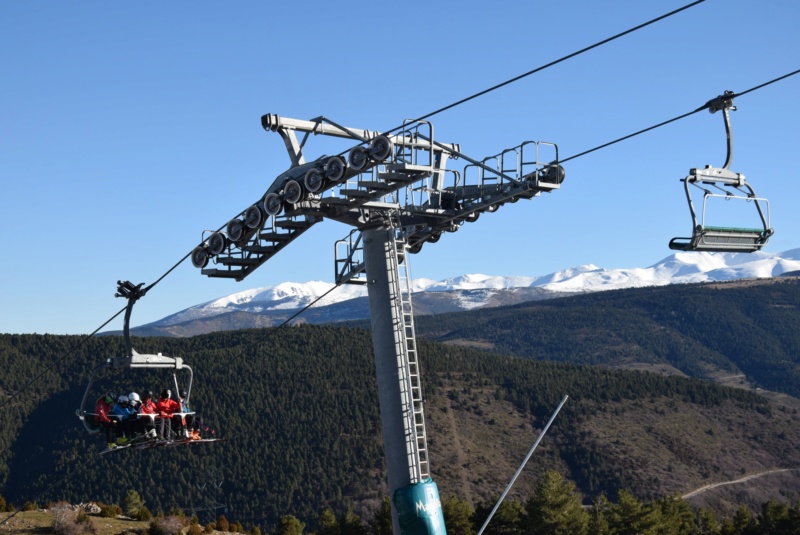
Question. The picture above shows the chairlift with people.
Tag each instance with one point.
(150, 430)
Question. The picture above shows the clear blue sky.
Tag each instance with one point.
(128, 128)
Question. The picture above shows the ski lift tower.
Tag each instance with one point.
(397, 193)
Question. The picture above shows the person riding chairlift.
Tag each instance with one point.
(143, 424)
(167, 409)
(147, 414)
(102, 409)
(125, 419)
(192, 423)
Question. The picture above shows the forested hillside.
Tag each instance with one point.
(299, 409)
(746, 328)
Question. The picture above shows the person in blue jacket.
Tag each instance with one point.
(126, 418)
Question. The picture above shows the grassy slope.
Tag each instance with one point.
(39, 522)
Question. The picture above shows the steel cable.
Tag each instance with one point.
(701, 108)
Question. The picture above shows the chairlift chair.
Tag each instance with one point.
(131, 361)
(729, 186)
(135, 361)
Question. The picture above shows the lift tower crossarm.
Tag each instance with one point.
(403, 172)
(286, 127)
(276, 123)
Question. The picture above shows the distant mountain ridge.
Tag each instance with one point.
(263, 307)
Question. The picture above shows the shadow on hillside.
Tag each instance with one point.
(51, 429)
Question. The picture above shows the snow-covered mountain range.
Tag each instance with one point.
(261, 307)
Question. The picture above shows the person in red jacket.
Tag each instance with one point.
(167, 407)
(101, 411)
(147, 415)
(148, 405)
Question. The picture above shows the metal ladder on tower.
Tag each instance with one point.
(414, 418)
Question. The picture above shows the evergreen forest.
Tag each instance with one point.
(749, 328)
(298, 408)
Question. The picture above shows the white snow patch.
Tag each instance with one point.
(679, 268)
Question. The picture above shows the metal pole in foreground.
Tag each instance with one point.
(513, 479)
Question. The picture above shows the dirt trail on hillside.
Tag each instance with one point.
(459, 451)
(740, 480)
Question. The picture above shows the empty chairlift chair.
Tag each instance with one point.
(732, 188)
(719, 187)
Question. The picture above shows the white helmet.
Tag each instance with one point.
(122, 399)
(134, 397)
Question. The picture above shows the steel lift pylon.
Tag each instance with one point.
(397, 370)
(397, 193)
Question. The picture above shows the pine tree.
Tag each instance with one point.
(707, 522)
(457, 516)
(351, 524)
(555, 508)
(773, 518)
(630, 517)
(598, 516)
(132, 503)
(328, 524)
(507, 520)
(677, 517)
(742, 523)
(381, 523)
(794, 516)
(290, 525)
